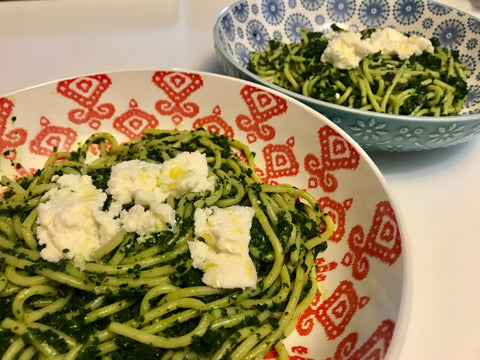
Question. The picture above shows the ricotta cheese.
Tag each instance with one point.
(147, 221)
(392, 42)
(220, 249)
(346, 49)
(145, 182)
(71, 221)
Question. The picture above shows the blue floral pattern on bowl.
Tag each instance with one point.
(248, 25)
(373, 12)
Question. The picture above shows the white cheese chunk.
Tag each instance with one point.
(392, 42)
(71, 221)
(186, 172)
(346, 49)
(135, 180)
(221, 248)
(147, 221)
(145, 182)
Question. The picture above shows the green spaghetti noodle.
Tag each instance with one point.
(144, 299)
(430, 84)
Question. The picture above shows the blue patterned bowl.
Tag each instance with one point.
(247, 26)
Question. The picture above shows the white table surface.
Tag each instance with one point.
(437, 193)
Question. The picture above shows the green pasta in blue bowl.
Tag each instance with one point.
(330, 67)
(400, 76)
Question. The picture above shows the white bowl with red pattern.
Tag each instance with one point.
(360, 310)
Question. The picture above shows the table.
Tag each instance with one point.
(437, 193)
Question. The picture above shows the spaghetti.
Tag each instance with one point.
(430, 84)
(144, 299)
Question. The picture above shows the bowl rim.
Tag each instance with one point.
(473, 117)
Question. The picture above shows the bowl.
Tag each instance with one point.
(247, 25)
(360, 308)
